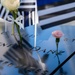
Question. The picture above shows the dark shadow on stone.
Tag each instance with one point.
(45, 57)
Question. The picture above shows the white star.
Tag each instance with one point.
(20, 22)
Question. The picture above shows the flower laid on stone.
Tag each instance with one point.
(58, 34)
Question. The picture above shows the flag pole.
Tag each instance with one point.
(35, 23)
(29, 18)
(35, 31)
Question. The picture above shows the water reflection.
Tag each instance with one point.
(23, 60)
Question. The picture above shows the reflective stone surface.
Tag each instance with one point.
(45, 44)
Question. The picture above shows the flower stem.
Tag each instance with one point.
(58, 60)
(57, 43)
(14, 13)
(13, 32)
(18, 30)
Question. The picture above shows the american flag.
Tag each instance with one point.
(15, 53)
(3, 12)
(31, 7)
(56, 15)
(28, 8)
